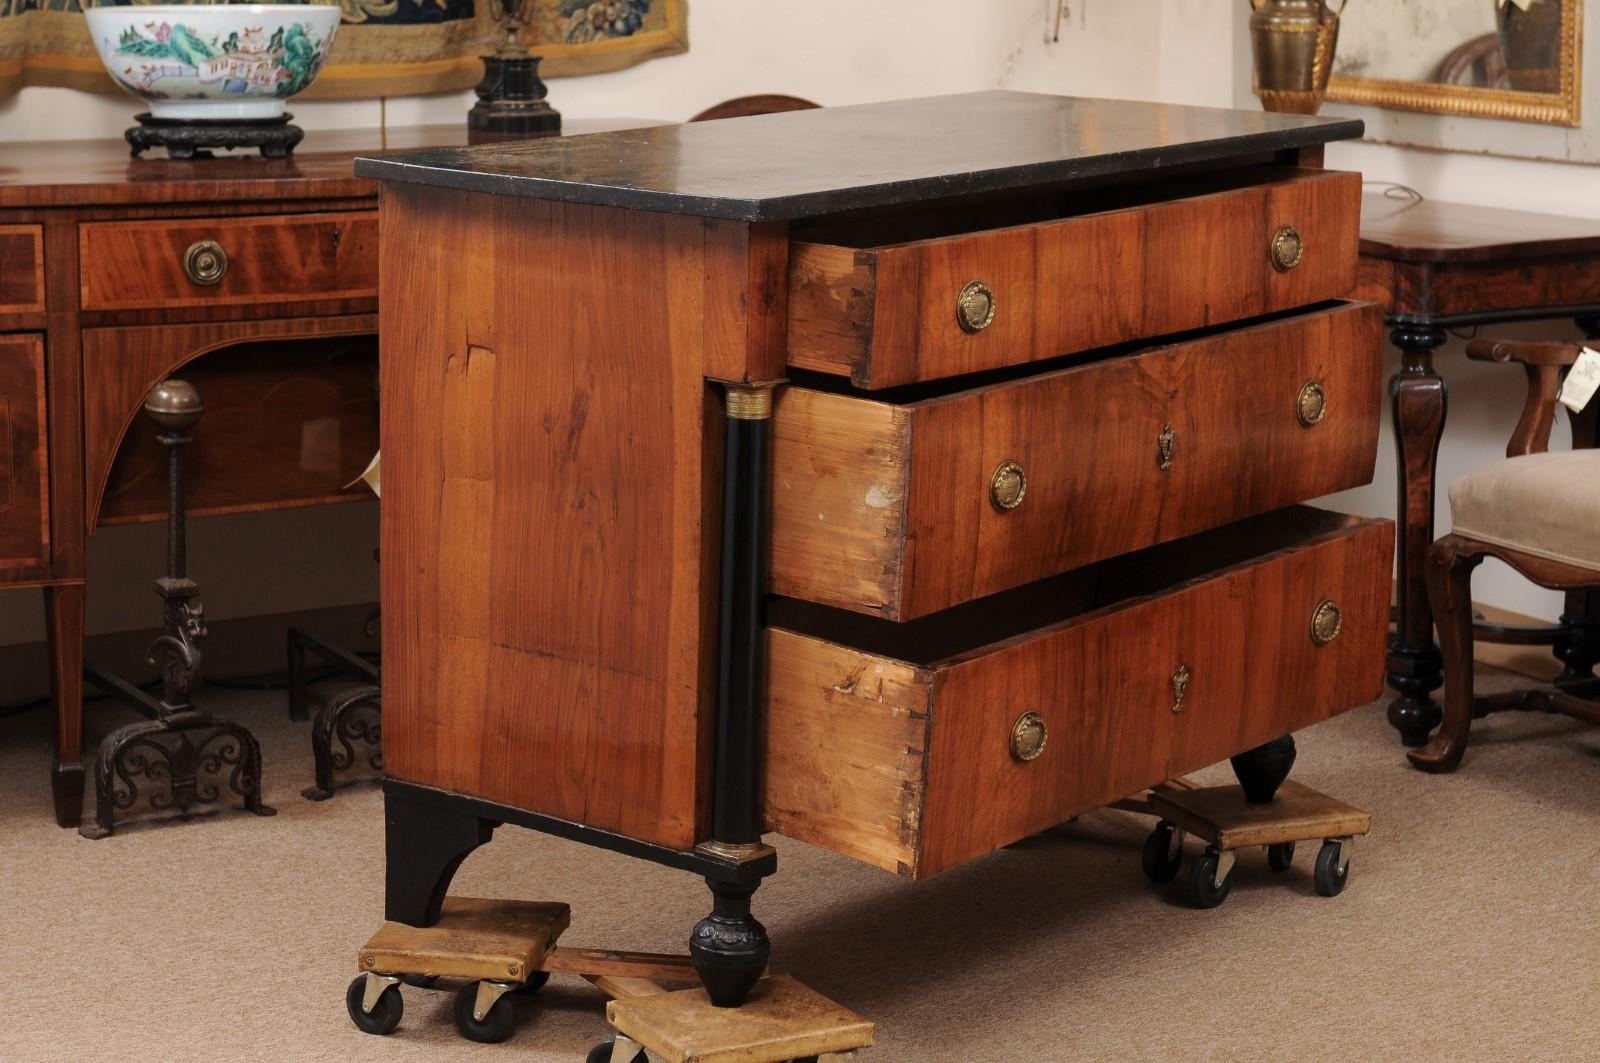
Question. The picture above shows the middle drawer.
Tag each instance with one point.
(900, 509)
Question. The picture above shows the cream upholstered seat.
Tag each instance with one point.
(1545, 504)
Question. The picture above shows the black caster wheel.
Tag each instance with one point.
(1203, 888)
(493, 1027)
(534, 983)
(1280, 856)
(601, 1053)
(1329, 879)
(385, 1014)
(419, 981)
(1159, 860)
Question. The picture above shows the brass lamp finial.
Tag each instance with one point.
(174, 404)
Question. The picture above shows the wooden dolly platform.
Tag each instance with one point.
(509, 947)
(1222, 818)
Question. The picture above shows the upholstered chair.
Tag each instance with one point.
(1539, 512)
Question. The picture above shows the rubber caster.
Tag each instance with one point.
(534, 983)
(385, 1013)
(496, 1024)
(1330, 877)
(1204, 889)
(1280, 856)
(1162, 855)
(601, 1053)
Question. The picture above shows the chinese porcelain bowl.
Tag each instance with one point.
(235, 62)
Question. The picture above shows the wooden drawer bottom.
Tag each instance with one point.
(902, 745)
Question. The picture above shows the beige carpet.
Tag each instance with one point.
(1469, 930)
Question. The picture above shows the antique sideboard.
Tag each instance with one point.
(257, 277)
(904, 478)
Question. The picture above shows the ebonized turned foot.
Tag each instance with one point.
(1261, 770)
(729, 947)
(424, 845)
(66, 787)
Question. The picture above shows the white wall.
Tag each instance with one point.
(836, 52)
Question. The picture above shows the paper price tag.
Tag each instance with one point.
(1583, 379)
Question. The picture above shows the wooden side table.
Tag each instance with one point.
(1441, 266)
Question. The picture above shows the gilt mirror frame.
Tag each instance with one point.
(1564, 107)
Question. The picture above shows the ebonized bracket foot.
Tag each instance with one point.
(424, 843)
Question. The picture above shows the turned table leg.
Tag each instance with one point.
(63, 611)
(1417, 396)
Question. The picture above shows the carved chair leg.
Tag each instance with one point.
(424, 845)
(1449, 568)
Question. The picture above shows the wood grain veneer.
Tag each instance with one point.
(140, 264)
(24, 459)
(21, 269)
(884, 507)
(886, 315)
(891, 743)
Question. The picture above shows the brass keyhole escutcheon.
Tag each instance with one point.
(1028, 736)
(1287, 249)
(205, 263)
(1312, 405)
(975, 307)
(1007, 486)
(1165, 442)
(1326, 620)
(1180, 686)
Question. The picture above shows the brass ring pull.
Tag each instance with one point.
(1326, 620)
(1180, 686)
(1007, 486)
(1165, 442)
(205, 263)
(1028, 737)
(975, 307)
(1312, 405)
(1287, 249)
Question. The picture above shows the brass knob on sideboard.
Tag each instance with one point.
(1312, 405)
(1326, 620)
(1007, 486)
(205, 263)
(1180, 686)
(975, 307)
(1166, 442)
(1287, 248)
(1028, 736)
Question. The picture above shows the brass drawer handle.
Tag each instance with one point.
(206, 263)
(1326, 620)
(975, 307)
(1165, 442)
(1028, 737)
(1287, 249)
(1312, 405)
(1007, 486)
(1180, 686)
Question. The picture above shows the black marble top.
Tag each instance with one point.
(798, 164)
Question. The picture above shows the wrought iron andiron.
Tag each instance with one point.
(181, 755)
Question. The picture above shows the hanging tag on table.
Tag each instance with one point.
(1583, 379)
(370, 475)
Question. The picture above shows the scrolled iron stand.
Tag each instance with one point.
(182, 754)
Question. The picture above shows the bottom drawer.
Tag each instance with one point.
(911, 746)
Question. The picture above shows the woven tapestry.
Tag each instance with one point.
(384, 47)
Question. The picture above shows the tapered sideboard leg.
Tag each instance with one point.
(63, 610)
(423, 846)
(1417, 394)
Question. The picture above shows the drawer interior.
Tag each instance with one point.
(979, 627)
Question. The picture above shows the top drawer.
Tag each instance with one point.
(21, 269)
(925, 309)
(219, 261)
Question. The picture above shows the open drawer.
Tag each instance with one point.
(927, 497)
(882, 305)
(917, 746)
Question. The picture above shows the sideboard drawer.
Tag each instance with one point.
(220, 261)
(904, 508)
(904, 745)
(21, 269)
(925, 309)
(25, 471)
